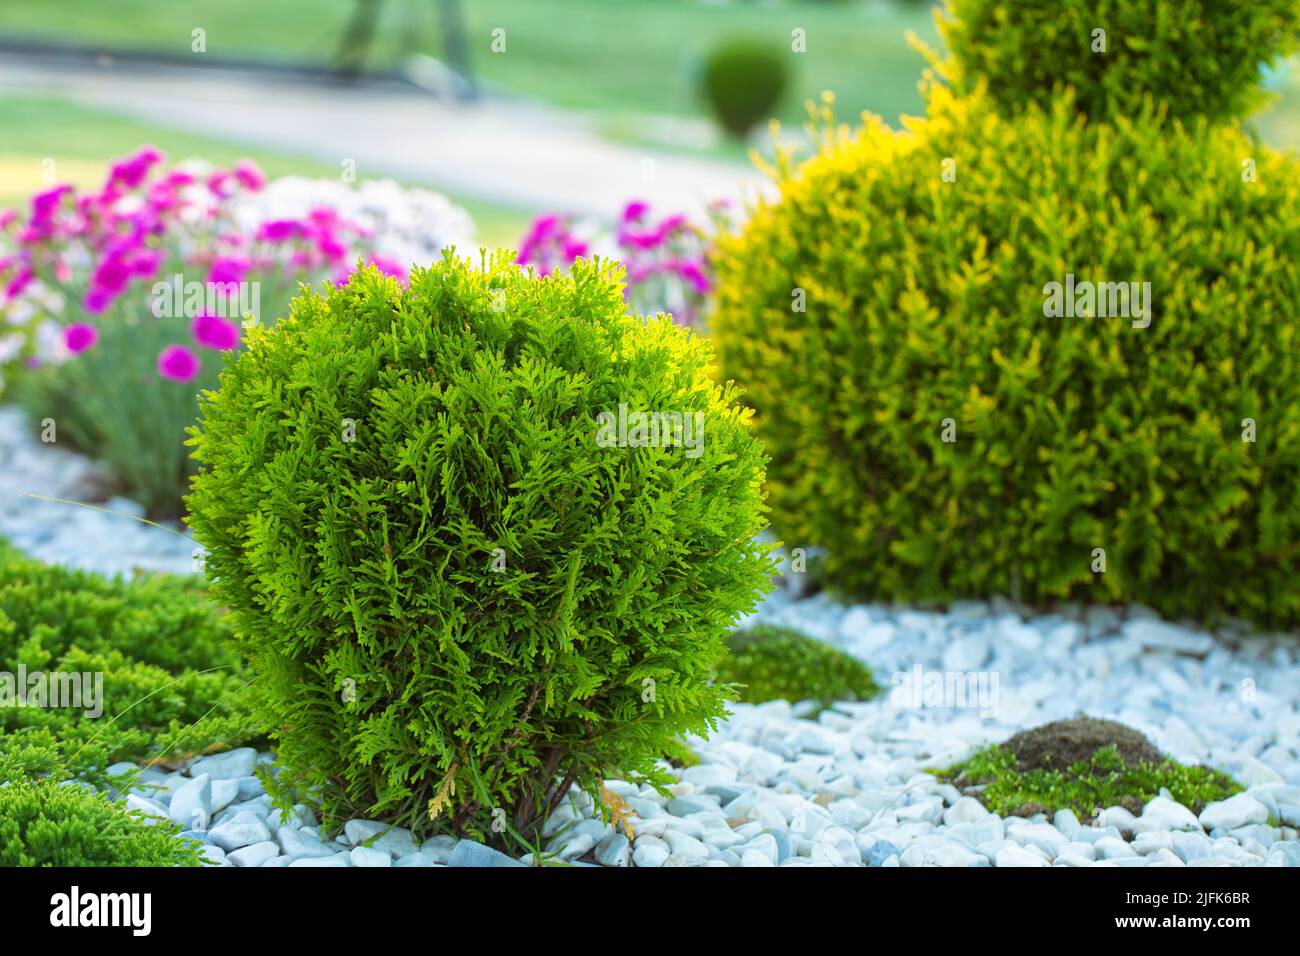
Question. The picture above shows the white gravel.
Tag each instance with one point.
(775, 787)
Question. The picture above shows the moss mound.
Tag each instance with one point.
(777, 663)
(1063, 743)
(1083, 765)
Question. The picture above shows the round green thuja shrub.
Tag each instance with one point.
(465, 570)
(43, 823)
(1031, 356)
(743, 83)
(1199, 57)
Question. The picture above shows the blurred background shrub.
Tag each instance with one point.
(744, 81)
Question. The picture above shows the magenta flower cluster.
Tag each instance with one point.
(667, 261)
(144, 224)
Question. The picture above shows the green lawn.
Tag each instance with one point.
(82, 141)
(616, 56)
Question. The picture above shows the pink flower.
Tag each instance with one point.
(330, 247)
(693, 274)
(112, 274)
(178, 363)
(147, 263)
(6, 217)
(280, 230)
(215, 332)
(389, 267)
(80, 337)
(635, 210)
(96, 300)
(45, 204)
(226, 269)
(132, 171)
(217, 183)
(19, 282)
(249, 175)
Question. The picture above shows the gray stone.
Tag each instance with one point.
(1159, 635)
(224, 792)
(649, 855)
(330, 861)
(1012, 855)
(570, 844)
(880, 851)
(614, 850)
(469, 853)
(152, 810)
(299, 844)
(369, 857)
(1191, 846)
(225, 766)
(685, 806)
(397, 841)
(1066, 822)
(249, 787)
(191, 803)
(244, 830)
(254, 855)
(1168, 814)
(1237, 811)
(214, 854)
(966, 653)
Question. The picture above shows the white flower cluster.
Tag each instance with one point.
(411, 226)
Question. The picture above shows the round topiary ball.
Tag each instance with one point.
(1199, 57)
(481, 538)
(743, 83)
(1030, 356)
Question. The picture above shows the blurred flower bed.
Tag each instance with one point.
(668, 268)
(118, 304)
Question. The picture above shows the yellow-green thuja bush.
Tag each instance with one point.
(464, 575)
(1027, 351)
(1200, 57)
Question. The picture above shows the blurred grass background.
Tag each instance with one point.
(631, 65)
(608, 56)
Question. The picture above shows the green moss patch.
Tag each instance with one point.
(1083, 765)
(776, 663)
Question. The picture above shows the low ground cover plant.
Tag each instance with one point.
(99, 671)
(45, 824)
(464, 568)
